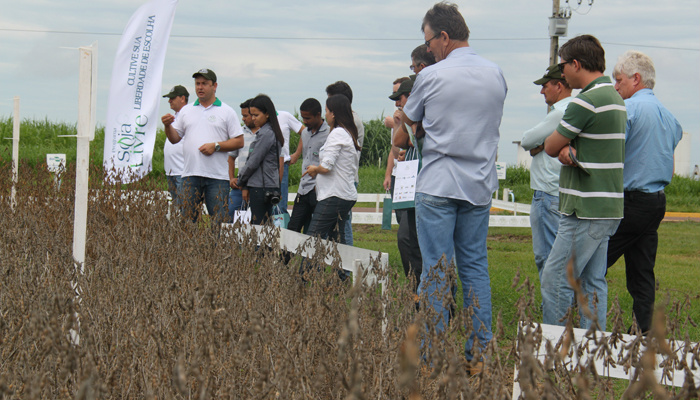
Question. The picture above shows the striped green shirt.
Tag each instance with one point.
(595, 121)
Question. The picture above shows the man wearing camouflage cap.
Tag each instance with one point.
(544, 170)
(209, 129)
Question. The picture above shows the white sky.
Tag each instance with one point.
(514, 34)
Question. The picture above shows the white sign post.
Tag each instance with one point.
(15, 152)
(87, 91)
(56, 163)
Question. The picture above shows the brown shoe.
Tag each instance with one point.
(475, 369)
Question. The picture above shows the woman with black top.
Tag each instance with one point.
(260, 177)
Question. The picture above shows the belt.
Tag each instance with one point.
(640, 194)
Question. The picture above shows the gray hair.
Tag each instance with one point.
(633, 62)
(420, 55)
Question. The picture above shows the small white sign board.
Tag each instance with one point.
(56, 162)
(501, 170)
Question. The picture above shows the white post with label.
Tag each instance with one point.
(56, 163)
(87, 89)
(15, 152)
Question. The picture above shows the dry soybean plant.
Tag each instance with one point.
(174, 310)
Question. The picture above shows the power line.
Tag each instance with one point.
(651, 46)
(346, 39)
(245, 37)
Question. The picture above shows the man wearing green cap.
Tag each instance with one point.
(173, 158)
(407, 236)
(209, 129)
(544, 170)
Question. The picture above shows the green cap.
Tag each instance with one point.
(552, 72)
(405, 88)
(206, 74)
(178, 90)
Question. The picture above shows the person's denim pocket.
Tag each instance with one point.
(598, 229)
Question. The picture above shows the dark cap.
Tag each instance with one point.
(178, 90)
(552, 72)
(206, 74)
(405, 88)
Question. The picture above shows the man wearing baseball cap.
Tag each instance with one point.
(209, 129)
(544, 170)
(173, 159)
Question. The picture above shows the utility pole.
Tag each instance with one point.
(558, 26)
(554, 40)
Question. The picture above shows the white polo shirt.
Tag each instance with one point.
(198, 125)
(173, 159)
(287, 123)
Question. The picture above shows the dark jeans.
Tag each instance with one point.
(260, 210)
(284, 188)
(215, 192)
(329, 218)
(637, 239)
(174, 186)
(304, 206)
(235, 202)
(407, 239)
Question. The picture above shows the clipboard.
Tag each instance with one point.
(577, 162)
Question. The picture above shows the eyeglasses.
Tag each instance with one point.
(427, 42)
(561, 65)
(415, 67)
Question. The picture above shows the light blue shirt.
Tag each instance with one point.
(544, 170)
(651, 136)
(460, 102)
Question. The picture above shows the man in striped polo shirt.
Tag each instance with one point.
(590, 144)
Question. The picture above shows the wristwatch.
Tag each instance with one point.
(217, 146)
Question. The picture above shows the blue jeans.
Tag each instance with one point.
(215, 192)
(456, 229)
(544, 219)
(586, 241)
(284, 189)
(235, 201)
(174, 186)
(348, 227)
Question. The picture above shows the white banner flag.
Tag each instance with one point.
(134, 92)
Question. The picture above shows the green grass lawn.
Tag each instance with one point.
(39, 137)
(510, 252)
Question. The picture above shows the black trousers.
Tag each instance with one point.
(260, 209)
(329, 219)
(407, 238)
(304, 205)
(637, 239)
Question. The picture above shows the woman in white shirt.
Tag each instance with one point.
(335, 175)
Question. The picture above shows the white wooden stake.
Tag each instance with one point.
(15, 152)
(86, 131)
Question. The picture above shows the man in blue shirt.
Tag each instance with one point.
(544, 171)
(651, 136)
(460, 102)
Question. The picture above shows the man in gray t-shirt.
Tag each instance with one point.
(312, 138)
